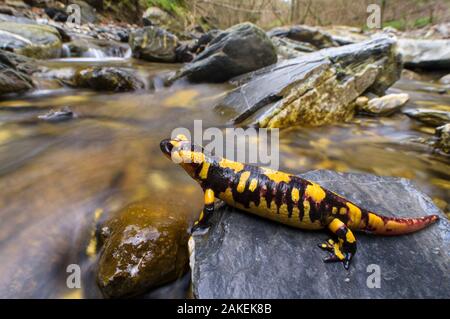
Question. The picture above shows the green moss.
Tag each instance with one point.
(177, 7)
(422, 22)
(397, 24)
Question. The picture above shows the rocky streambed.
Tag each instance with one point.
(82, 111)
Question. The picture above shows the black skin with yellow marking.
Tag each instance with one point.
(285, 198)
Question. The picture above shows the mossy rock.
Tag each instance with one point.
(107, 79)
(32, 40)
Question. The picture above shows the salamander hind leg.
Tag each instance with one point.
(206, 213)
(344, 248)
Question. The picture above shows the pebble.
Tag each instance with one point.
(63, 114)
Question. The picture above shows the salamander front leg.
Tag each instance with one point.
(206, 213)
(345, 248)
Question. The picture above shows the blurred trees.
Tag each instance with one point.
(269, 13)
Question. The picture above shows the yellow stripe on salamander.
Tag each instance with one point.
(235, 166)
(315, 192)
(276, 176)
(354, 214)
(204, 171)
(253, 184)
(242, 181)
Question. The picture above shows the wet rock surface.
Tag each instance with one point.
(32, 40)
(443, 134)
(240, 49)
(385, 105)
(429, 116)
(243, 256)
(315, 37)
(62, 115)
(15, 71)
(316, 88)
(145, 246)
(107, 79)
(289, 49)
(154, 44)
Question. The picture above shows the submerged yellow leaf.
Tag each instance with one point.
(181, 98)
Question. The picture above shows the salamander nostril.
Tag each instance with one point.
(166, 146)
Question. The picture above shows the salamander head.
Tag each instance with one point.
(181, 151)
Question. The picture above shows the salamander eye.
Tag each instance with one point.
(166, 146)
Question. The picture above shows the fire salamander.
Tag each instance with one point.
(285, 198)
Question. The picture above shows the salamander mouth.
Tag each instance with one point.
(166, 147)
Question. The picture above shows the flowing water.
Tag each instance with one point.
(56, 177)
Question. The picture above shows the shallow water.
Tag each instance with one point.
(54, 177)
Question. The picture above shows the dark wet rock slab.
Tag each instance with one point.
(243, 256)
(316, 88)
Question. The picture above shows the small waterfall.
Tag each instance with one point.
(128, 54)
(92, 50)
(65, 51)
(94, 53)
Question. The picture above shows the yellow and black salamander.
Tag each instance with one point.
(285, 198)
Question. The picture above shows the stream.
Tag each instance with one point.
(55, 178)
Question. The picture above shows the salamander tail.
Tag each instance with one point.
(383, 225)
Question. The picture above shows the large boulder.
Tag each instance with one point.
(145, 246)
(15, 71)
(316, 88)
(425, 54)
(154, 44)
(32, 40)
(243, 256)
(237, 50)
(107, 79)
